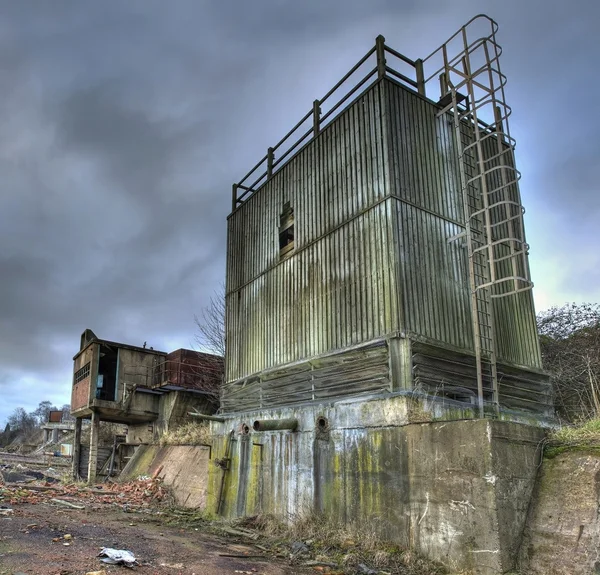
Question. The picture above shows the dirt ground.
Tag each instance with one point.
(32, 541)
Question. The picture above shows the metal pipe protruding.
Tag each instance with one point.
(275, 424)
(207, 417)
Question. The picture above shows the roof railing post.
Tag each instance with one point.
(316, 118)
(443, 85)
(233, 197)
(270, 160)
(380, 49)
(420, 76)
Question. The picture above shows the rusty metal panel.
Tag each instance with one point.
(55, 416)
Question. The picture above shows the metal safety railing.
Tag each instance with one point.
(375, 61)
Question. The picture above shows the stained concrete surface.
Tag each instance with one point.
(456, 491)
(182, 468)
(563, 529)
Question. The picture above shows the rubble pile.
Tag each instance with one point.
(142, 493)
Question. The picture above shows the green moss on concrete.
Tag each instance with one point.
(552, 451)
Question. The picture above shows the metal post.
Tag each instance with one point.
(380, 49)
(270, 159)
(316, 118)
(443, 85)
(420, 76)
(233, 197)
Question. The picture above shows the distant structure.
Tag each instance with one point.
(58, 421)
(149, 391)
(379, 248)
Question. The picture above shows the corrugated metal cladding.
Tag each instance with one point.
(425, 174)
(339, 287)
(375, 197)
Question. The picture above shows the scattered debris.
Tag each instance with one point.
(67, 503)
(364, 570)
(129, 496)
(117, 557)
(241, 532)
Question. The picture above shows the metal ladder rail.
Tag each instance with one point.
(480, 308)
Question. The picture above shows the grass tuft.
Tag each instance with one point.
(189, 434)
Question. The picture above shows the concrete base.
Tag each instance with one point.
(456, 491)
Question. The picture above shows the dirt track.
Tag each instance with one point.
(32, 541)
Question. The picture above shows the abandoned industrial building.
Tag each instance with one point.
(150, 391)
(388, 253)
(382, 363)
(377, 293)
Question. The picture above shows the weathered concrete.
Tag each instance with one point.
(563, 530)
(76, 449)
(183, 468)
(93, 456)
(457, 491)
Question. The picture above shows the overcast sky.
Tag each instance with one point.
(124, 124)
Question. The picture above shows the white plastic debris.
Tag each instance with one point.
(117, 557)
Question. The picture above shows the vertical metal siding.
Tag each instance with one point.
(424, 177)
(375, 197)
(434, 275)
(338, 288)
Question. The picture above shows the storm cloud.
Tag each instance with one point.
(124, 124)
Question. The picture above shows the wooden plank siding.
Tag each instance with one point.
(375, 196)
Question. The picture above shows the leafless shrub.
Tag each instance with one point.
(211, 324)
(570, 344)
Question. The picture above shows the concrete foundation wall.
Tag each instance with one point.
(457, 491)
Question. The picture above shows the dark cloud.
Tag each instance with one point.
(124, 125)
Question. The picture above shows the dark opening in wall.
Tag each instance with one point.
(286, 231)
(106, 385)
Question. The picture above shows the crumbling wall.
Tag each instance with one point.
(563, 529)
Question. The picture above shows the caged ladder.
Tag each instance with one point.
(472, 91)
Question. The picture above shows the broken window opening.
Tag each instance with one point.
(82, 373)
(286, 231)
(106, 383)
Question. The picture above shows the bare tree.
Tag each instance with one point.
(211, 324)
(570, 343)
